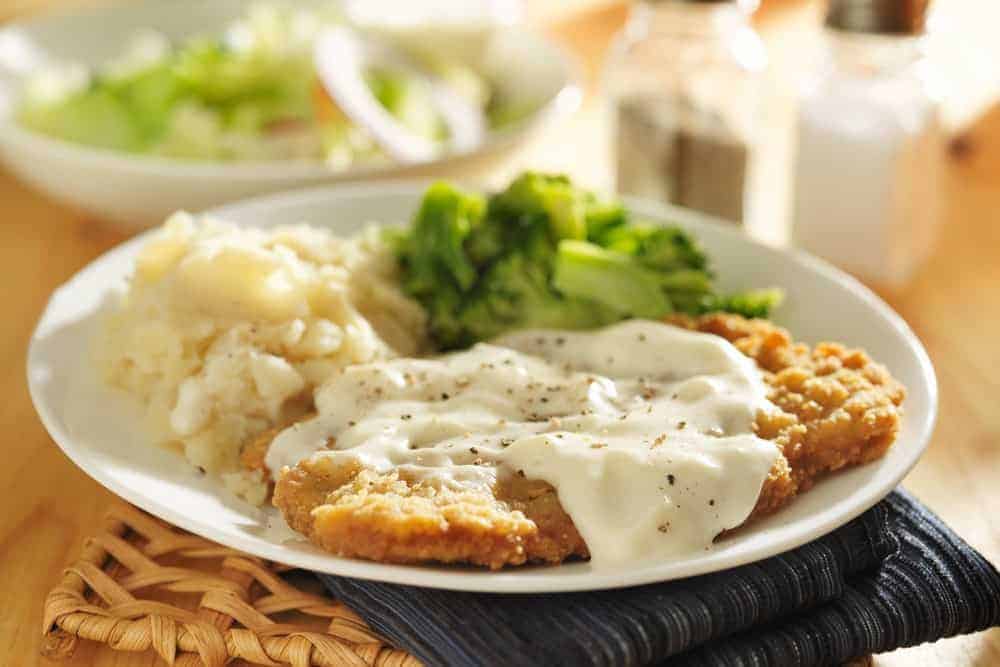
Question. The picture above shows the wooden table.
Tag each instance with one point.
(954, 306)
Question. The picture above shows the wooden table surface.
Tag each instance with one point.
(953, 305)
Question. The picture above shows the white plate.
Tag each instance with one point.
(98, 429)
(137, 191)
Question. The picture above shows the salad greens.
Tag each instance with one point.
(249, 94)
(546, 254)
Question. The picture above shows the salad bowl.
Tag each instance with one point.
(139, 190)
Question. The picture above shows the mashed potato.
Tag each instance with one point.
(225, 331)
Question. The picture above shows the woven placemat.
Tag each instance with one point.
(142, 584)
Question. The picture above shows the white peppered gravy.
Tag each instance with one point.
(644, 429)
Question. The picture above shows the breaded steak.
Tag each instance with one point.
(837, 408)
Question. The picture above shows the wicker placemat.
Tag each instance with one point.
(142, 585)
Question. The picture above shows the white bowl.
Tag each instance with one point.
(138, 191)
(101, 430)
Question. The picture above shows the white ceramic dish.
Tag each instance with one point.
(138, 191)
(99, 430)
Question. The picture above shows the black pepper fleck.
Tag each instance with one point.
(671, 479)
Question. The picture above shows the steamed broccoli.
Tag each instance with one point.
(546, 254)
(587, 271)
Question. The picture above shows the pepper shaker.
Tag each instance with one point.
(684, 81)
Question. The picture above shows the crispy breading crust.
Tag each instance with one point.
(838, 408)
(359, 513)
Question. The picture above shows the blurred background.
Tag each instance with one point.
(842, 127)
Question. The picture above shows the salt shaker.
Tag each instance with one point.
(870, 144)
(684, 81)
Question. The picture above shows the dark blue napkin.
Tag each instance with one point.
(895, 576)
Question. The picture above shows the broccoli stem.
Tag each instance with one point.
(586, 271)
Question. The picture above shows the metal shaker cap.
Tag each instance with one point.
(888, 17)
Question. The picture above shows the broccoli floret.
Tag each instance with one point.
(750, 303)
(543, 197)
(516, 293)
(603, 216)
(433, 255)
(656, 246)
(543, 254)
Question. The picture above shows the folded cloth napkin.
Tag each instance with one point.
(895, 576)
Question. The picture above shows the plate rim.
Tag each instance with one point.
(506, 581)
